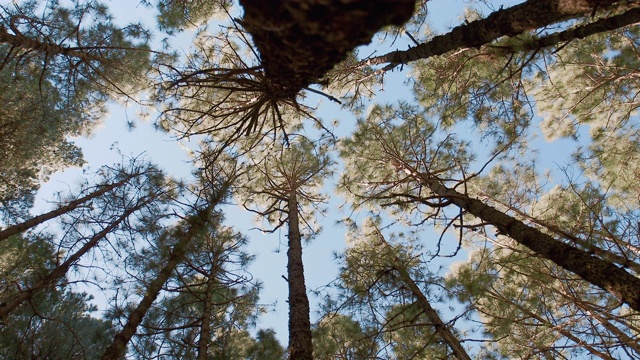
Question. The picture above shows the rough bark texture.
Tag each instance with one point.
(37, 220)
(60, 271)
(300, 40)
(530, 15)
(595, 270)
(630, 17)
(441, 328)
(300, 347)
(119, 345)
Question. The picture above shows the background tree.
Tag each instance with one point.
(284, 188)
(59, 66)
(58, 322)
(210, 304)
(86, 229)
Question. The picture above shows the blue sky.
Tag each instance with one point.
(161, 149)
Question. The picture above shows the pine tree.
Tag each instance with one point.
(284, 188)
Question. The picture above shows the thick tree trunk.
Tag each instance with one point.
(595, 270)
(441, 328)
(630, 17)
(196, 224)
(62, 270)
(530, 15)
(37, 220)
(300, 347)
(300, 40)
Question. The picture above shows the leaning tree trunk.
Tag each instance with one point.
(37, 220)
(62, 270)
(530, 15)
(49, 48)
(595, 270)
(300, 347)
(196, 224)
(440, 327)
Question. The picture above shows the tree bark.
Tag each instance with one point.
(37, 220)
(300, 40)
(196, 224)
(52, 49)
(441, 328)
(595, 270)
(205, 325)
(300, 346)
(62, 270)
(630, 17)
(530, 15)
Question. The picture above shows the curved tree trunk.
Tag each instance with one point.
(300, 346)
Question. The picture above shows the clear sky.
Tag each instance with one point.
(161, 149)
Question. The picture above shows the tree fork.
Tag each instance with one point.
(300, 40)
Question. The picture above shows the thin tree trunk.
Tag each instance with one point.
(62, 270)
(300, 347)
(195, 225)
(439, 325)
(205, 325)
(560, 329)
(530, 15)
(596, 271)
(37, 220)
(52, 49)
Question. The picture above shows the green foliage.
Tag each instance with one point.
(340, 337)
(55, 324)
(55, 79)
(181, 15)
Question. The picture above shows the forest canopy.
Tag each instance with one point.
(476, 184)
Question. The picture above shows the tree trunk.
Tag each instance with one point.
(300, 40)
(195, 224)
(530, 15)
(300, 347)
(601, 273)
(51, 49)
(205, 325)
(580, 32)
(441, 328)
(37, 220)
(62, 270)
